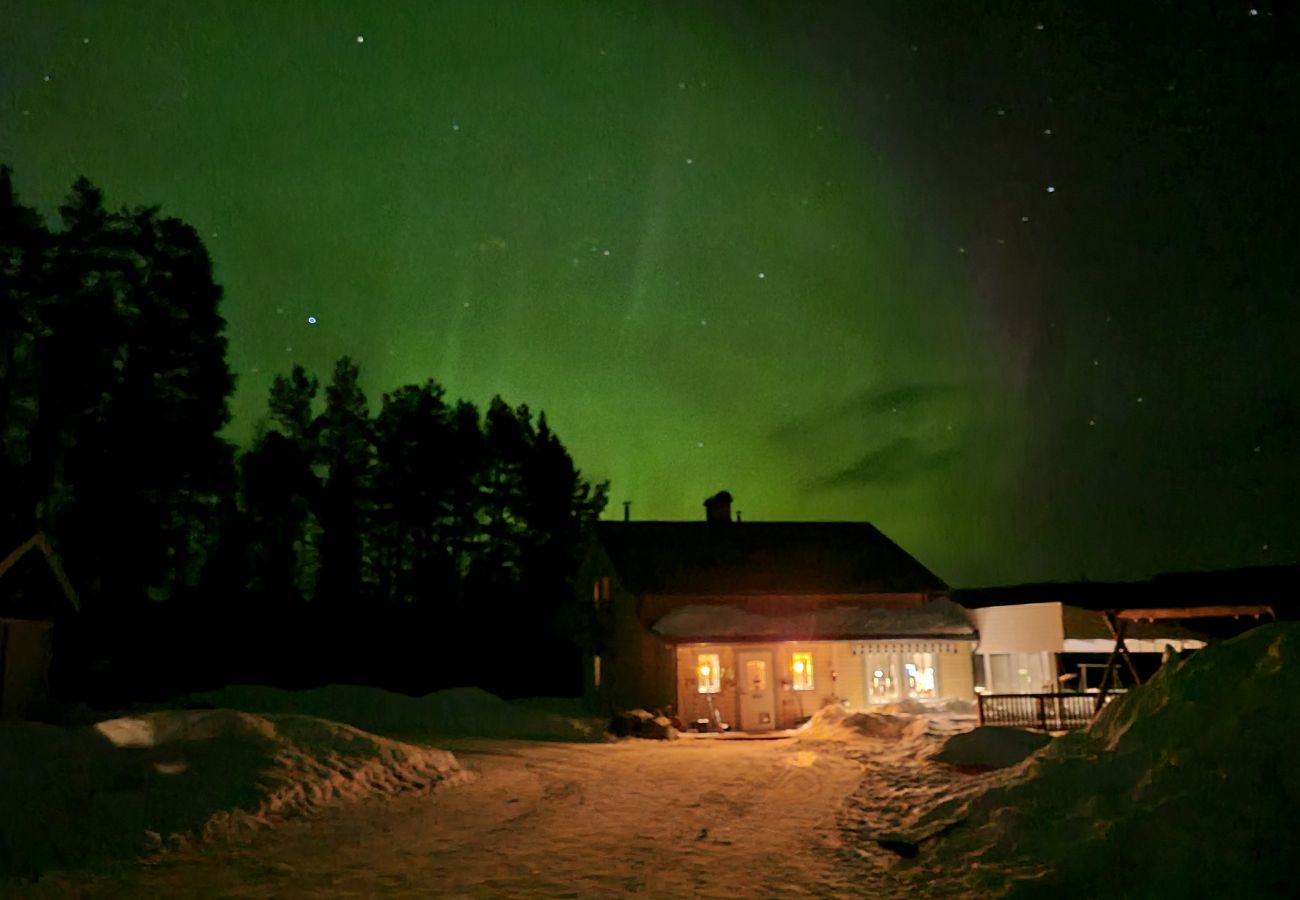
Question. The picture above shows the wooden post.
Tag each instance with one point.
(1042, 713)
(1110, 661)
(1117, 631)
(4, 648)
(979, 702)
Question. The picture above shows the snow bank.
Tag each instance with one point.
(991, 746)
(1187, 786)
(834, 723)
(460, 712)
(126, 786)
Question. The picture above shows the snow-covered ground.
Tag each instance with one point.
(1185, 788)
(246, 759)
(458, 712)
(690, 818)
(159, 780)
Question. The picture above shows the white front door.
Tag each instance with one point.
(755, 689)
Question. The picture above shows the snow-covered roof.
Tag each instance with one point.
(723, 623)
(787, 558)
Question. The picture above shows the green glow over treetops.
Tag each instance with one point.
(810, 259)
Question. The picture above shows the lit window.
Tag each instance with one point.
(882, 680)
(604, 588)
(595, 592)
(756, 674)
(595, 671)
(918, 672)
(801, 664)
(710, 674)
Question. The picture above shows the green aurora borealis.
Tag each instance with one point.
(807, 256)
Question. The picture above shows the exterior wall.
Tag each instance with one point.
(956, 674)
(636, 667)
(1024, 628)
(839, 675)
(691, 704)
(25, 651)
(851, 674)
(792, 705)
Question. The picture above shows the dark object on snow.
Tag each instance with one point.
(905, 849)
(641, 724)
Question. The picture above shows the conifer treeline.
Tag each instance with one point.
(421, 545)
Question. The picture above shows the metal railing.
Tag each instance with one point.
(1045, 712)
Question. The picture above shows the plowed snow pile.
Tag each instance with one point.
(460, 712)
(991, 747)
(834, 723)
(131, 785)
(1187, 787)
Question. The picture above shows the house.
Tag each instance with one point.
(1036, 637)
(27, 613)
(759, 624)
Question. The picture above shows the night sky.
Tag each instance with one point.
(1018, 283)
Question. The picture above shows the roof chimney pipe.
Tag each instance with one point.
(627, 510)
(718, 507)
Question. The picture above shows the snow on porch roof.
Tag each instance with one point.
(789, 558)
(718, 623)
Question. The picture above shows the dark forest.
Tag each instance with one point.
(427, 544)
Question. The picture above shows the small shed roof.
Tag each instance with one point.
(733, 558)
(1090, 625)
(26, 596)
(699, 623)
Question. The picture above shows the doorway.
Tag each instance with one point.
(755, 690)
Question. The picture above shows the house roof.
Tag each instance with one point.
(734, 558)
(721, 623)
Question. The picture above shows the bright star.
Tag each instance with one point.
(361, 39)
(311, 320)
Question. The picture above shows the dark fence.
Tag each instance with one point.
(1046, 712)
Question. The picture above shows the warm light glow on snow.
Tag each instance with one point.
(128, 732)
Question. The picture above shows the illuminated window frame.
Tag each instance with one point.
(801, 670)
(708, 674)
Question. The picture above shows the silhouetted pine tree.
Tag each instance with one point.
(413, 497)
(281, 490)
(25, 245)
(347, 453)
(128, 386)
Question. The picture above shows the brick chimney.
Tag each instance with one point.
(718, 507)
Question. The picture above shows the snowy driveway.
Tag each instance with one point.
(688, 818)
